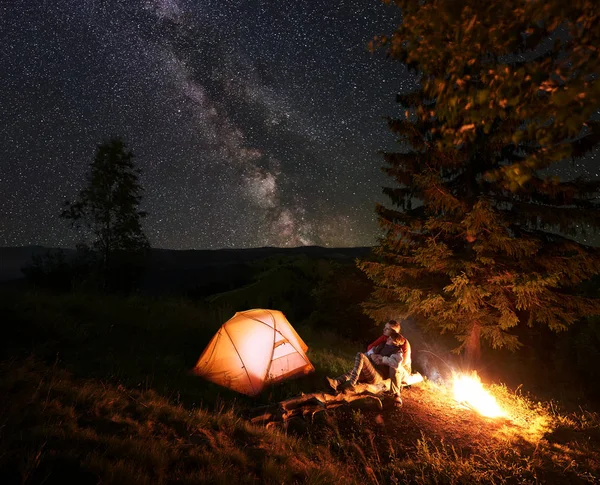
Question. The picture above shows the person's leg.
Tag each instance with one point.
(396, 378)
(350, 375)
(363, 371)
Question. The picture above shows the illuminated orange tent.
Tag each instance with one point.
(252, 349)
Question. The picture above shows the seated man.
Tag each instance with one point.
(391, 325)
(385, 360)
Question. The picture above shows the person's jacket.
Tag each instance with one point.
(395, 360)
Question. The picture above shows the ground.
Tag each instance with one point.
(95, 389)
(451, 443)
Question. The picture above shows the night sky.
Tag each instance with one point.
(255, 123)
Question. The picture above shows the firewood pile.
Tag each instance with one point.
(363, 396)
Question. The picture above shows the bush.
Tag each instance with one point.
(50, 270)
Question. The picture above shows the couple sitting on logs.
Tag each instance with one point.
(388, 356)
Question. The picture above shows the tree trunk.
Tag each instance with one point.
(473, 347)
(107, 251)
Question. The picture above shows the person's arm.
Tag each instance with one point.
(374, 344)
(376, 358)
(394, 360)
(406, 357)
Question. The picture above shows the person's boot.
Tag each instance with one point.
(397, 401)
(345, 386)
(333, 383)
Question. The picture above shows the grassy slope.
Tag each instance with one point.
(95, 389)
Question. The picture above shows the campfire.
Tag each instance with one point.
(469, 391)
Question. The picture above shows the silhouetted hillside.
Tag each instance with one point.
(198, 271)
(205, 272)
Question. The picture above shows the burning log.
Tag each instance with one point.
(469, 391)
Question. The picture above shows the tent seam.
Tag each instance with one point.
(301, 352)
(241, 360)
(273, 346)
(212, 352)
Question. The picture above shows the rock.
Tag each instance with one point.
(371, 403)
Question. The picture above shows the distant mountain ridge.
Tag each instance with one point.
(12, 259)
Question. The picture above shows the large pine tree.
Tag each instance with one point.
(481, 236)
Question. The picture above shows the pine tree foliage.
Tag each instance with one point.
(480, 237)
(108, 206)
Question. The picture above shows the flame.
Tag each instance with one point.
(468, 389)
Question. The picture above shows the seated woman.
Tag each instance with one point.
(385, 360)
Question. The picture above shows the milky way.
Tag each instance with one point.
(255, 123)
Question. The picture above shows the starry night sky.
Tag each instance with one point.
(255, 123)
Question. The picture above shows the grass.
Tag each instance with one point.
(58, 428)
(95, 389)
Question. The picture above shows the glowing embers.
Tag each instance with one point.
(468, 390)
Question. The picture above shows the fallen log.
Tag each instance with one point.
(265, 418)
(303, 400)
